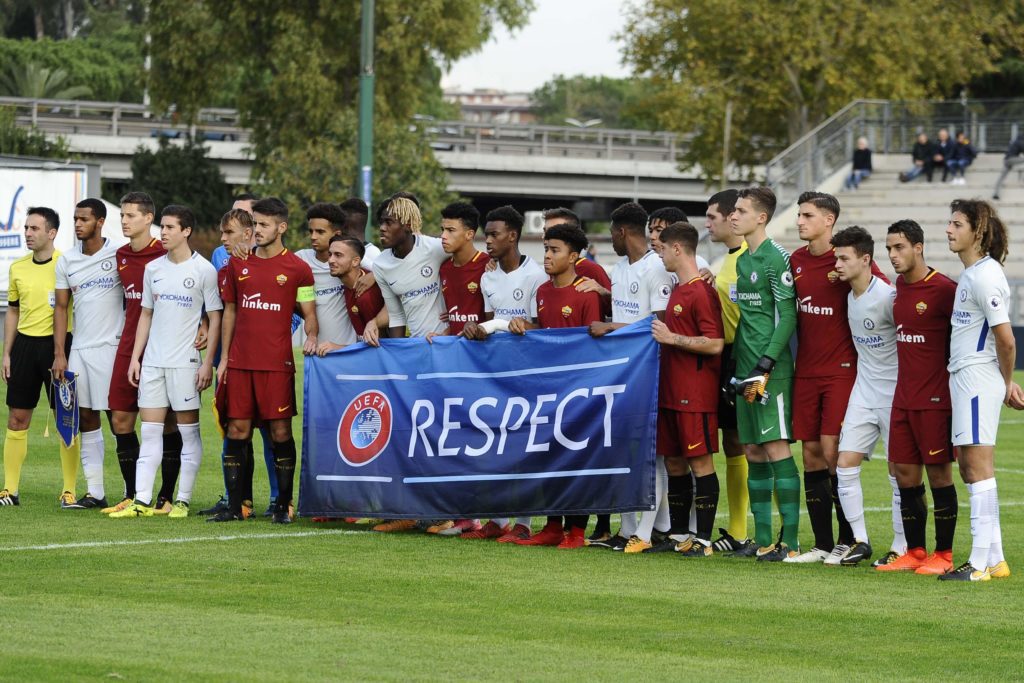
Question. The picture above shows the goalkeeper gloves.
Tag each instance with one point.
(753, 387)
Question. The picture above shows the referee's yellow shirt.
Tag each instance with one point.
(725, 283)
(31, 289)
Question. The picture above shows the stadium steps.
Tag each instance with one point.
(882, 200)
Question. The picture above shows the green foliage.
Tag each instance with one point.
(30, 142)
(300, 61)
(40, 83)
(787, 65)
(182, 174)
(323, 169)
(618, 102)
(110, 67)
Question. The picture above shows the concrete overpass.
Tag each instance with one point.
(529, 161)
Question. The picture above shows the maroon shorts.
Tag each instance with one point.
(819, 405)
(258, 394)
(687, 435)
(121, 395)
(920, 437)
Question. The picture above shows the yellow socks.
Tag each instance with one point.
(15, 452)
(70, 456)
(739, 496)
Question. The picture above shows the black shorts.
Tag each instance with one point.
(726, 410)
(31, 360)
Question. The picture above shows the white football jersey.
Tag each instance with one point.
(874, 335)
(177, 294)
(639, 289)
(97, 294)
(411, 286)
(372, 253)
(331, 311)
(513, 295)
(982, 302)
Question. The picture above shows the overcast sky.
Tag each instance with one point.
(567, 37)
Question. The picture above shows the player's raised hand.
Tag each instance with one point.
(517, 326)
(490, 266)
(587, 284)
(371, 335)
(241, 250)
(707, 276)
(365, 282)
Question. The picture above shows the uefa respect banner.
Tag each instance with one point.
(553, 422)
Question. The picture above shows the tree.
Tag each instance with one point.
(38, 82)
(299, 62)
(30, 142)
(110, 65)
(182, 174)
(785, 66)
(323, 169)
(618, 102)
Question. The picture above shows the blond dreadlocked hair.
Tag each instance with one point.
(405, 212)
(986, 224)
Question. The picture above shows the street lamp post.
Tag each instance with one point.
(366, 81)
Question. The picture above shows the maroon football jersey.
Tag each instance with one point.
(689, 382)
(824, 345)
(364, 308)
(565, 307)
(131, 265)
(264, 292)
(463, 297)
(922, 313)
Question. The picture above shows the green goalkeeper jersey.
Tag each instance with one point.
(767, 301)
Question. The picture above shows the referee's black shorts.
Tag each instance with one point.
(31, 360)
(726, 410)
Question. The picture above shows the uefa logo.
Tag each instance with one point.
(365, 428)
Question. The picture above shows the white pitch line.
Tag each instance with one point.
(185, 539)
(1008, 504)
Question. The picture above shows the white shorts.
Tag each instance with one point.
(173, 388)
(862, 428)
(977, 393)
(94, 366)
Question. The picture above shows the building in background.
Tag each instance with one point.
(488, 105)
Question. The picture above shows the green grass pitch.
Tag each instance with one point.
(85, 597)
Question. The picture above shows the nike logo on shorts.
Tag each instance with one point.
(936, 452)
(281, 410)
(765, 431)
(190, 398)
(691, 446)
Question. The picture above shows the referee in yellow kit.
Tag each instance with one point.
(28, 351)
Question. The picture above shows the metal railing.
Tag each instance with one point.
(891, 127)
(121, 119)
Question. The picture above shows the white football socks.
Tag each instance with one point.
(851, 497)
(191, 458)
(899, 539)
(151, 454)
(92, 462)
(984, 511)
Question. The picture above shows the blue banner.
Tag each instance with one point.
(65, 393)
(553, 422)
